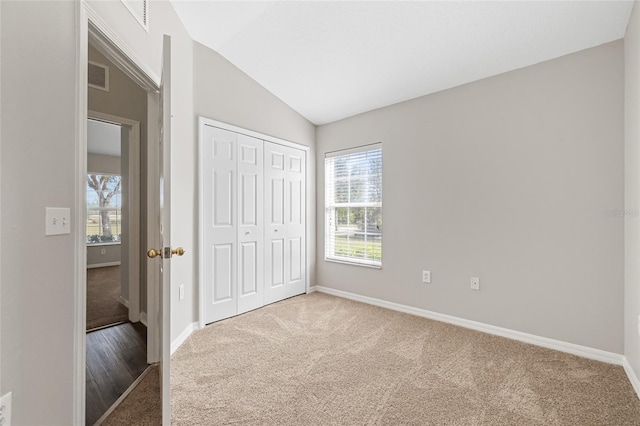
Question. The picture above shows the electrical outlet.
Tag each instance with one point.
(5, 410)
(181, 292)
(475, 283)
(426, 277)
(103, 251)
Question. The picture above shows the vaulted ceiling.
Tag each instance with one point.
(331, 60)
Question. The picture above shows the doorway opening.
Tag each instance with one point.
(120, 346)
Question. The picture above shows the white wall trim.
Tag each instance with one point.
(178, 341)
(635, 382)
(143, 318)
(103, 265)
(80, 210)
(124, 301)
(571, 348)
(312, 289)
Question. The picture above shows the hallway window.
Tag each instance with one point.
(104, 208)
(353, 205)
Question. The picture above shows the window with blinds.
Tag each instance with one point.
(353, 203)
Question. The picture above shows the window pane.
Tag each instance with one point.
(104, 208)
(353, 183)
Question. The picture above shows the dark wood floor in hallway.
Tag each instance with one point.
(116, 356)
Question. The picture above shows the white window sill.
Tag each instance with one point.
(346, 261)
(108, 243)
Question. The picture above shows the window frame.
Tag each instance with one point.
(331, 205)
(98, 209)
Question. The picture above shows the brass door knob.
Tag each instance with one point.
(154, 253)
(178, 251)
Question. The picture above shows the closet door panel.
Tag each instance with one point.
(219, 218)
(295, 162)
(285, 198)
(275, 230)
(250, 223)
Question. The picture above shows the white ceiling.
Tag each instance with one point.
(103, 138)
(331, 60)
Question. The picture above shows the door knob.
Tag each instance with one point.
(154, 253)
(178, 251)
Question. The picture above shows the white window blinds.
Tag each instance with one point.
(353, 203)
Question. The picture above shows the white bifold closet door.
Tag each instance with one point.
(233, 255)
(254, 223)
(285, 224)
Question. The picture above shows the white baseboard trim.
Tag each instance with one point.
(312, 289)
(635, 382)
(143, 318)
(124, 301)
(178, 341)
(103, 265)
(571, 348)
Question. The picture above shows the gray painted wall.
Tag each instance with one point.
(37, 290)
(632, 192)
(112, 253)
(507, 179)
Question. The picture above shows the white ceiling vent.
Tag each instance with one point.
(98, 76)
(140, 10)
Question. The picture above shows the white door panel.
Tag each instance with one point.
(165, 230)
(296, 230)
(285, 232)
(219, 233)
(250, 230)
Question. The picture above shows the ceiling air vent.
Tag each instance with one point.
(98, 76)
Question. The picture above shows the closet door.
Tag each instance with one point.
(295, 214)
(220, 231)
(250, 224)
(275, 231)
(285, 222)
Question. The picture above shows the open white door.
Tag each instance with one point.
(165, 228)
(160, 296)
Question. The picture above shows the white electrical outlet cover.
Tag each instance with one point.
(475, 283)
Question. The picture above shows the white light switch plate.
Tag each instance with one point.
(5, 410)
(58, 221)
(181, 292)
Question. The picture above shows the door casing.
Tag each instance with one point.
(90, 27)
(133, 203)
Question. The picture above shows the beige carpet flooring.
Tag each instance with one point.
(142, 406)
(323, 360)
(103, 298)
